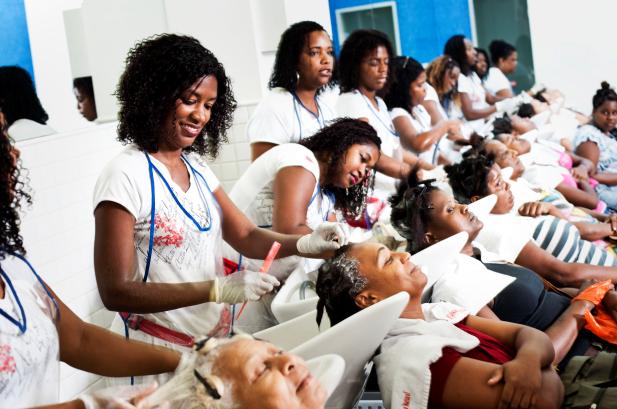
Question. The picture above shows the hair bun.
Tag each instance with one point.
(605, 85)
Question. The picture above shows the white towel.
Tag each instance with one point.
(411, 347)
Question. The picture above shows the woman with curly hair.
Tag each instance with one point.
(438, 355)
(295, 108)
(37, 330)
(364, 72)
(293, 188)
(23, 113)
(161, 215)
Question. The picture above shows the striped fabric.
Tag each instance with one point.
(562, 240)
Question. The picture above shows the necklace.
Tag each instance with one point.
(372, 109)
(21, 325)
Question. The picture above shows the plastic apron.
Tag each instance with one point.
(179, 241)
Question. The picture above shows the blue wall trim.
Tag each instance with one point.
(424, 25)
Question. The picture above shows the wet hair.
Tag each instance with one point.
(357, 47)
(405, 70)
(338, 282)
(331, 143)
(12, 195)
(411, 208)
(469, 177)
(455, 48)
(158, 71)
(18, 99)
(291, 45)
(502, 125)
(526, 111)
(500, 49)
(481, 51)
(436, 71)
(605, 93)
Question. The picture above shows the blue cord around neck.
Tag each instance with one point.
(317, 116)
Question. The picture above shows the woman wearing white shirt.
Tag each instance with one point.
(411, 120)
(475, 104)
(294, 107)
(364, 71)
(161, 215)
(293, 188)
(505, 59)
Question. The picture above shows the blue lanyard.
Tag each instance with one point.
(372, 109)
(329, 195)
(22, 326)
(317, 116)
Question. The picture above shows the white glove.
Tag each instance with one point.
(327, 236)
(119, 397)
(242, 286)
(508, 105)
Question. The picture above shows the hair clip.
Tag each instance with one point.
(212, 390)
(205, 345)
(405, 63)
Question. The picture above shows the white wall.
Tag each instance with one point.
(572, 45)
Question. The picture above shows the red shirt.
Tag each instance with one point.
(490, 350)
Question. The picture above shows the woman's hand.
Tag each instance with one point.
(612, 220)
(580, 173)
(242, 286)
(535, 209)
(610, 303)
(326, 237)
(522, 383)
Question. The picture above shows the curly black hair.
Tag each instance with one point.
(526, 110)
(605, 93)
(469, 178)
(502, 125)
(331, 143)
(12, 195)
(293, 40)
(405, 70)
(356, 48)
(411, 210)
(18, 99)
(338, 282)
(158, 71)
(455, 48)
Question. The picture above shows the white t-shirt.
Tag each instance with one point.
(281, 118)
(181, 253)
(355, 105)
(29, 362)
(23, 129)
(253, 194)
(472, 86)
(421, 122)
(496, 81)
(431, 95)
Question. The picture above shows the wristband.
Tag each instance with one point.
(595, 292)
(214, 290)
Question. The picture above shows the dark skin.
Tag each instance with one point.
(469, 111)
(449, 218)
(114, 249)
(526, 381)
(315, 65)
(605, 118)
(294, 185)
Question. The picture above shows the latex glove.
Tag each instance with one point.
(119, 397)
(508, 105)
(327, 236)
(242, 286)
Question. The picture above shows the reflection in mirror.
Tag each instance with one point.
(23, 112)
(84, 94)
